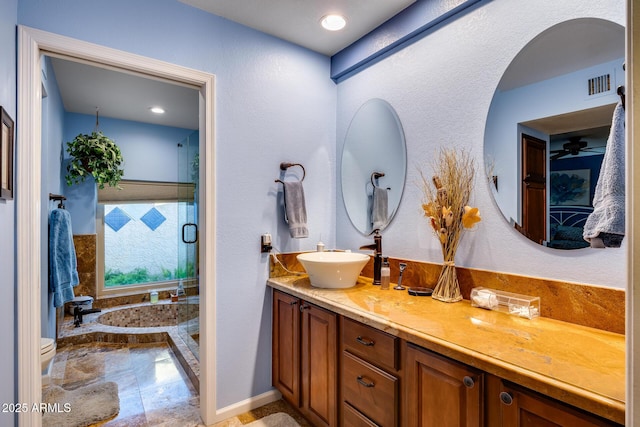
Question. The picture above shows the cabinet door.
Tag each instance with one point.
(319, 365)
(441, 392)
(286, 346)
(526, 409)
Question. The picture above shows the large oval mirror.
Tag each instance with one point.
(374, 166)
(548, 126)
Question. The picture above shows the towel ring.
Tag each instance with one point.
(376, 175)
(621, 93)
(284, 166)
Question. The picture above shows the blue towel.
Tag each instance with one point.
(63, 272)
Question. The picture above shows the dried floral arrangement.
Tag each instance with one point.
(445, 204)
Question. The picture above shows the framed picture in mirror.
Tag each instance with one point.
(6, 155)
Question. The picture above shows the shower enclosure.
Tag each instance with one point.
(189, 302)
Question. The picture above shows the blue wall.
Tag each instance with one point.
(274, 102)
(149, 152)
(8, 367)
(52, 125)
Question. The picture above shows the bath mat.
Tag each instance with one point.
(80, 407)
(279, 419)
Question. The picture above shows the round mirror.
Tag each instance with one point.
(548, 126)
(374, 166)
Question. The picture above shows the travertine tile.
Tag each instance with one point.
(587, 305)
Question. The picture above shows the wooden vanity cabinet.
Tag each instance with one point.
(441, 392)
(285, 360)
(305, 357)
(369, 380)
(523, 408)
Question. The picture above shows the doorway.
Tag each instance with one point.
(534, 185)
(32, 44)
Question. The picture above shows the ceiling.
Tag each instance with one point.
(565, 48)
(299, 21)
(126, 96)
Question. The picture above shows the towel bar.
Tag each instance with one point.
(59, 198)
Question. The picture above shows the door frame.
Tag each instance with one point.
(32, 44)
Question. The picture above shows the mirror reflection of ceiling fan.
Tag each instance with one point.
(573, 147)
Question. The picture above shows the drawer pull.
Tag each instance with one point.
(303, 307)
(365, 341)
(364, 383)
(506, 398)
(468, 382)
(294, 302)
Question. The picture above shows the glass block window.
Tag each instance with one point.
(139, 236)
(116, 219)
(153, 218)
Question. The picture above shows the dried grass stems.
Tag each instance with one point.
(445, 204)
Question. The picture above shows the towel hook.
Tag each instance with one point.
(284, 166)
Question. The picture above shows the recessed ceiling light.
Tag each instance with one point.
(157, 110)
(333, 22)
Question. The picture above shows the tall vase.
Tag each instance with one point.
(447, 289)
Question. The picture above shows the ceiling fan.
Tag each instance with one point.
(573, 147)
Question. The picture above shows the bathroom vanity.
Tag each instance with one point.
(363, 356)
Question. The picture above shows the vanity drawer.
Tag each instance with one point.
(351, 417)
(370, 390)
(374, 346)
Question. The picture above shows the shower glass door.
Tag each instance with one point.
(189, 302)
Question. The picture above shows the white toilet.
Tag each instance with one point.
(47, 351)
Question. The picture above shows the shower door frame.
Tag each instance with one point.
(32, 44)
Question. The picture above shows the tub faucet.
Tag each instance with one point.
(377, 256)
(79, 311)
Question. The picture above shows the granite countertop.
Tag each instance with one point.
(584, 367)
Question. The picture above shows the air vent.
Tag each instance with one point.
(599, 84)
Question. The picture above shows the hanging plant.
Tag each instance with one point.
(94, 155)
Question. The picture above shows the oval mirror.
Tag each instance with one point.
(374, 166)
(548, 126)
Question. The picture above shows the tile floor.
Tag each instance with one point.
(153, 388)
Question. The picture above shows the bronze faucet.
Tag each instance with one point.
(377, 255)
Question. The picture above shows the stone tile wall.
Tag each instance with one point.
(587, 305)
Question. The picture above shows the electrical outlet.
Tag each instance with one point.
(265, 243)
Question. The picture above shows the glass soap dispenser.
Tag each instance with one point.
(385, 274)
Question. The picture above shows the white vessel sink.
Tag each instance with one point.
(333, 269)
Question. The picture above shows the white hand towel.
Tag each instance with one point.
(606, 222)
(295, 209)
(379, 209)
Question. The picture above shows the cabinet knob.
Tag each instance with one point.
(294, 302)
(303, 307)
(365, 383)
(365, 341)
(468, 382)
(506, 398)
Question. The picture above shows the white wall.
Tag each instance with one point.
(442, 86)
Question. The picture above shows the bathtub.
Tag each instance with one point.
(136, 324)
